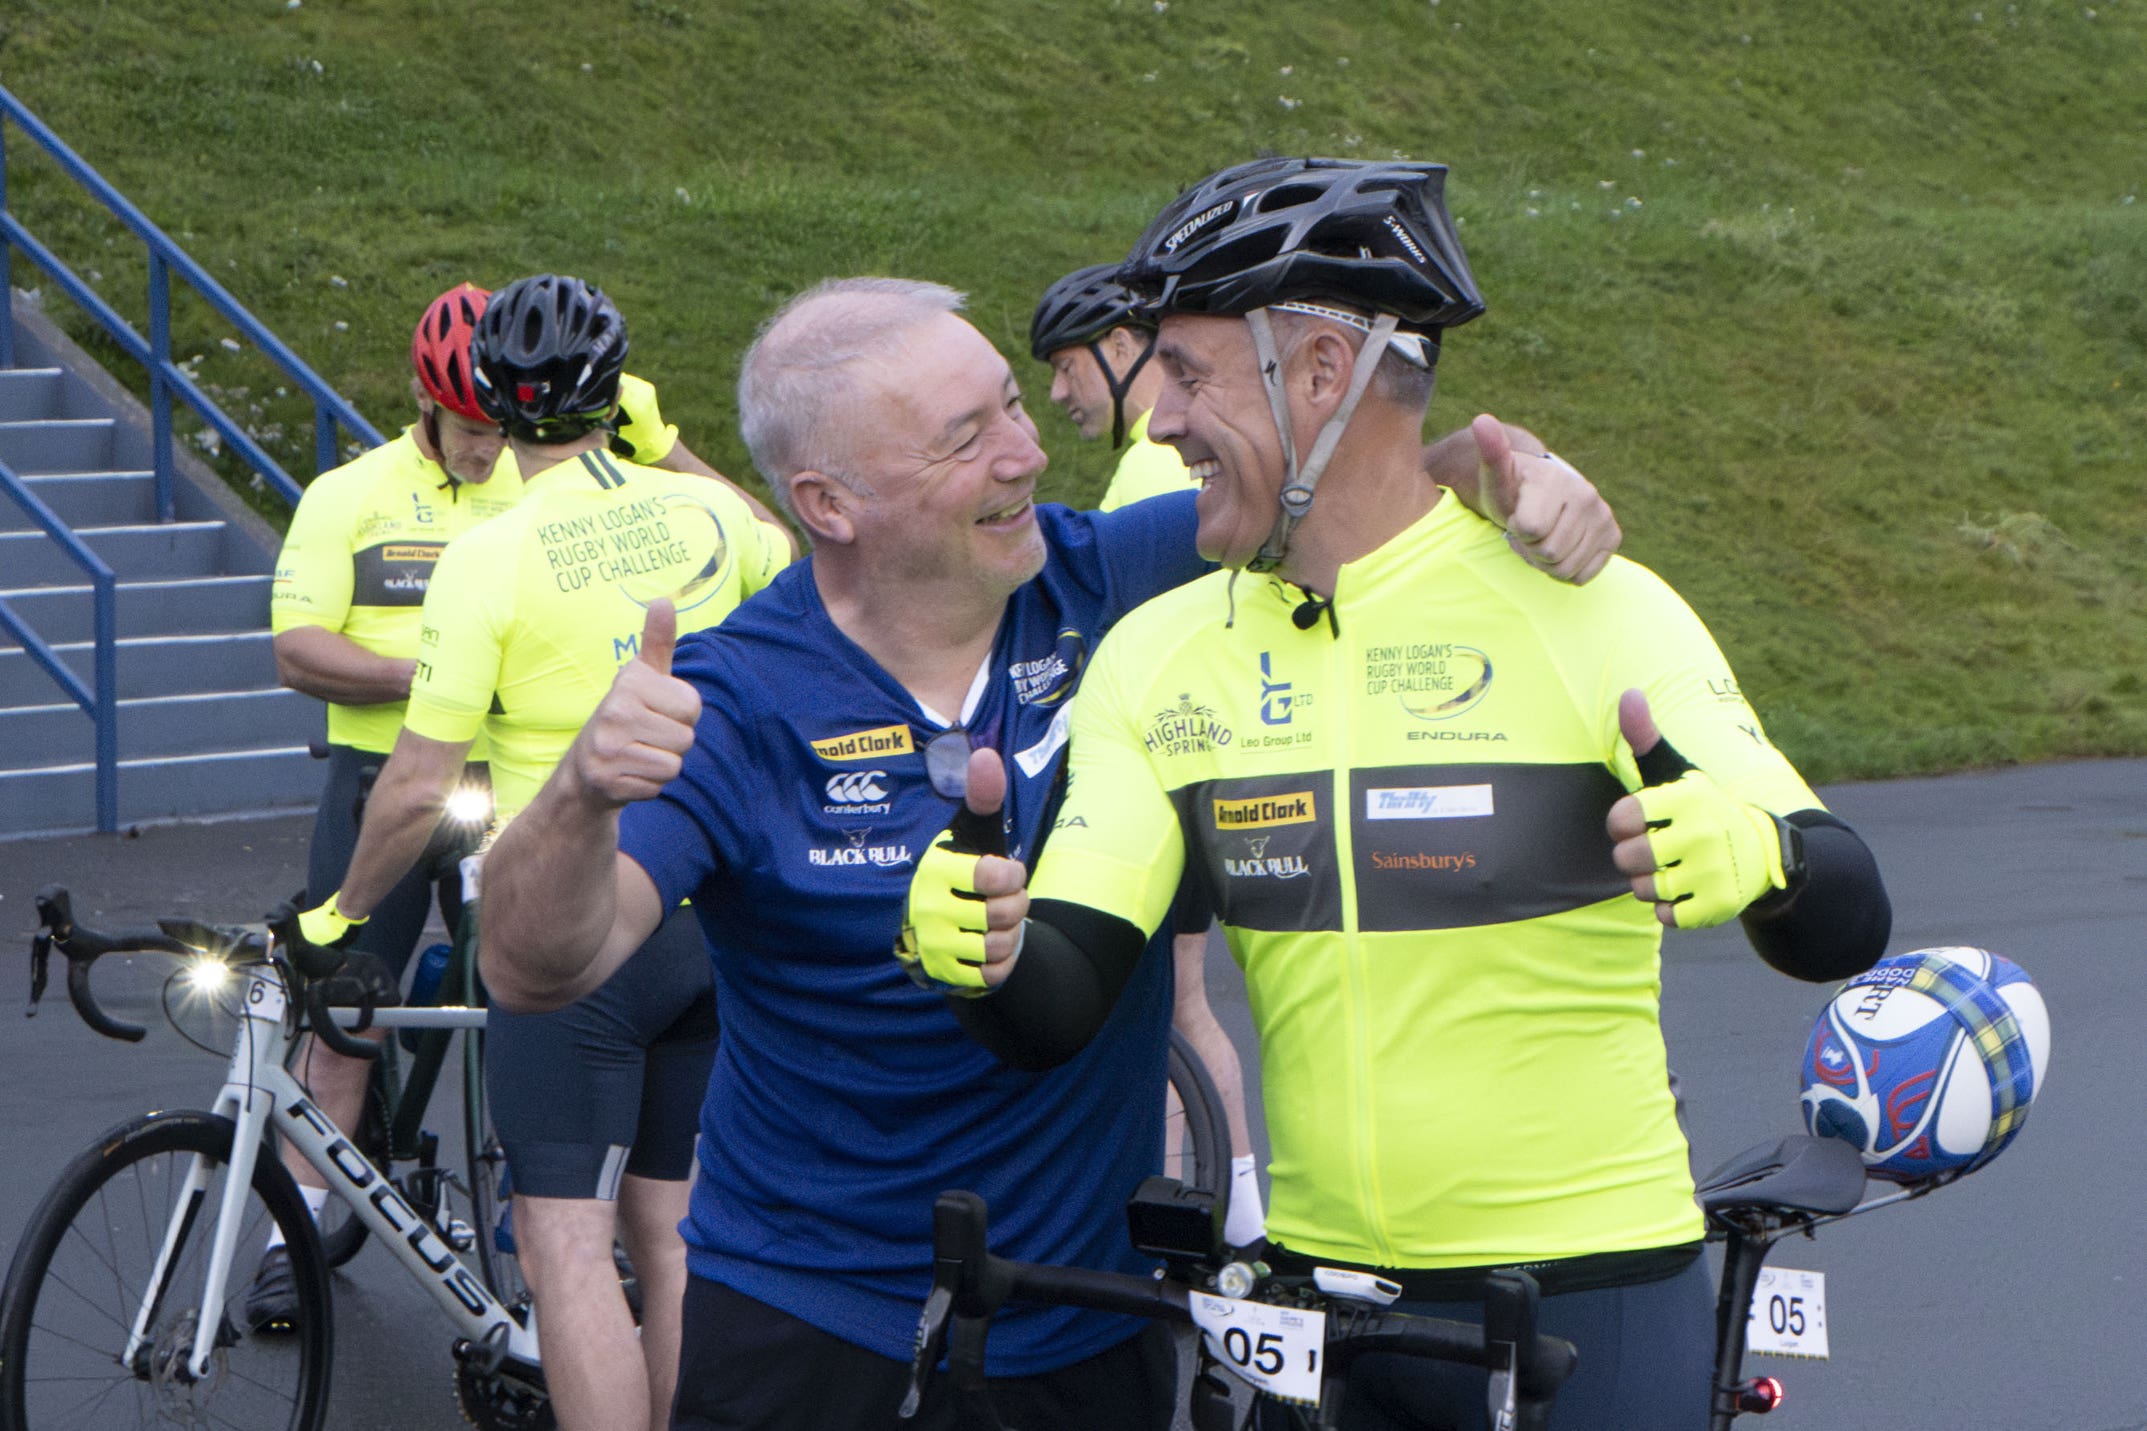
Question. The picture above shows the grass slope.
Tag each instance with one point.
(1840, 302)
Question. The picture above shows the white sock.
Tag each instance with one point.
(1247, 1221)
(316, 1199)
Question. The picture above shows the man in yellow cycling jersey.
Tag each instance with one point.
(344, 611)
(1097, 338)
(527, 620)
(1422, 791)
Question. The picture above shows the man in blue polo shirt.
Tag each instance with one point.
(783, 780)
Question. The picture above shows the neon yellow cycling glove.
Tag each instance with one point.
(942, 940)
(326, 925)
(1714, 853)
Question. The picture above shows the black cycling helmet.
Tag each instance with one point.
(1079, 310)
(1369, 234)
(547, 358)
(1302, 234)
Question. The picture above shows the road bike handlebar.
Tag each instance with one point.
(970, 1284)
(310, 969)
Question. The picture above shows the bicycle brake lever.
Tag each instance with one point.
(40, 959)
(931, 1339)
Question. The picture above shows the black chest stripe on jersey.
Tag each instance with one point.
(1264, 850)
(1456, 846)
(393, 573)
(1435, 846)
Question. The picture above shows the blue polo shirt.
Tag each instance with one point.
(844, 1099)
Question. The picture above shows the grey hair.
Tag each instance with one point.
(798, 382)
(1395, 380)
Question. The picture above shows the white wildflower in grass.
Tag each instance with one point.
(341, 326)
(1606, 184)
(96, 276)
(1162, 5)
(1149, 78)
(317, 68)
(1640, 154)
(1289, 69)
(1533, 213)
(1669, 163)
(683, 196)
(292, 4)
(1342, 60)
(1535, 193)
(2129, 198)
(1285, 101)
(587, 68)
(230, 345)
(337, 280)
(1631, 203)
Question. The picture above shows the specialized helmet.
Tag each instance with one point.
(440, 349)
(1306, 235)
(1372, 235)
(1080, 309)
(548, 354)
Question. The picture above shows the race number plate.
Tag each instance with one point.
(1275, 1349)
(264, 999)
(1788, 1313)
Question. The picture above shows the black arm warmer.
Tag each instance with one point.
(1074, 961)
(1835, 921)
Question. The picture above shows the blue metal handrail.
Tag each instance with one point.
(102, 703)
(331, 412)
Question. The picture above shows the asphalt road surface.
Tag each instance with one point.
(2015, 1300)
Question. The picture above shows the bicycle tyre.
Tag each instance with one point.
(1207, 1130)
(84, 1263)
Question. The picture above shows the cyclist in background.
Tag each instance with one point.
(940, 607)
(344, 613)
(1429, 876)
(527, 619)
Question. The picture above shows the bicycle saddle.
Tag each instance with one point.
(1797, 1174)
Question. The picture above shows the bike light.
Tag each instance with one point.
(205, 974)
(470, 805)
(1759, 1395)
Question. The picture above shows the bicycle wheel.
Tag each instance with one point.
(490, 1190)
(1196, 1133)
(81, 1276)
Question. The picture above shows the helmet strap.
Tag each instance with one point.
(1119, 386)
(1299, 481)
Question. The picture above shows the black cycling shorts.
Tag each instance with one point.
(398, 921)
(613, 1083)
(743, 1363)
(1647, 1353)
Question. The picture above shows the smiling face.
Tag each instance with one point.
(951, 464)
(1214, 410)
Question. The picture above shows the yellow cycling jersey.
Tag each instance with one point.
(530, 615)
(1149, 469)
(1397, 812)
(360, 552)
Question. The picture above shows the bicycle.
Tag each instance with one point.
(121, 1288)
(1766, 1193)
(1292, 1338)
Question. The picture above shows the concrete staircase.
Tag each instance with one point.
(204, 729)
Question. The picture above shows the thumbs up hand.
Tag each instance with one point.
(1554, 518)
(1695, 852)
(962, 927)
(640, 733)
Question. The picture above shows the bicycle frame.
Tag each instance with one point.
(259, 1093)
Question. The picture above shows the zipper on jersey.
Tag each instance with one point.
(1341, 654)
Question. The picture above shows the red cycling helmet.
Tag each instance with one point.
(440, 349)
